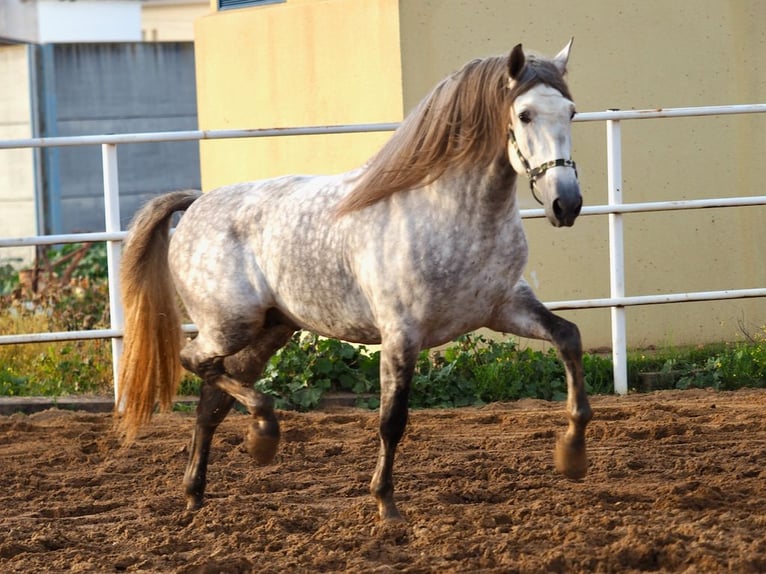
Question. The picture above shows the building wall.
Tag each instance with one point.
(171, 20)
(278, 65)
(635, 55)
(17, 177)
(296, 63)
(89, 21)
(55, 21)
(18, 20)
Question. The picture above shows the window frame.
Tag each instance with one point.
(235, 4)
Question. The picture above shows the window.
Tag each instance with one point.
(227, 4)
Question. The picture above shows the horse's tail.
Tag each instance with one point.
(150, 368)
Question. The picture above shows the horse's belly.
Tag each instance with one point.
(329, 311)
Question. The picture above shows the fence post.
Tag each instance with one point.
(112, 215)
(616, 255)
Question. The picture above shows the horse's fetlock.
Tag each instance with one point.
(581, 415)
(381, 491)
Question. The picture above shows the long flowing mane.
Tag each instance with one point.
(461, 124)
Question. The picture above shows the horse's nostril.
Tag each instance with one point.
(557, 210)
(579, 207)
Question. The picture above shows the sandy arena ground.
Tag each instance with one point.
(677, 483)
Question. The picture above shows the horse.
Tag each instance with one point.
(419, 245)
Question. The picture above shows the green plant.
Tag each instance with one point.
(9, 277)
(80, 260)
(78, 300)
(309, 366)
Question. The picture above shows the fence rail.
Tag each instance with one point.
(615, 209)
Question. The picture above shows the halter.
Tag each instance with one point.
(534, 173)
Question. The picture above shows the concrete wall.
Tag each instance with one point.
(18, 20)
(51, 21)
(117, 88)
(635, 55)
(17, 177)
(294, 64)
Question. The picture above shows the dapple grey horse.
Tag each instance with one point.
(419, 245)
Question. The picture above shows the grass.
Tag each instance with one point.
(473, 370)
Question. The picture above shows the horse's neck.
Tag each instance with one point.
(487, 192)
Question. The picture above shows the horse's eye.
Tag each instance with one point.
(525, 117)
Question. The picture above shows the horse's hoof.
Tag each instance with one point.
(570, 460)
(193, 503)
(263, 440)
(388, 513)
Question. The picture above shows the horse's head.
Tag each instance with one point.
(540, 135)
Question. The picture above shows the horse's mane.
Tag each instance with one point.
(461, 124)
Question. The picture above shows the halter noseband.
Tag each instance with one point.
(534, 173)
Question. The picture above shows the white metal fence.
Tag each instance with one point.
(614, 208)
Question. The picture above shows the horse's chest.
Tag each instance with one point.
(450, 283)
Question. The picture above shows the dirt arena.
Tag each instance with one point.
(677, 483)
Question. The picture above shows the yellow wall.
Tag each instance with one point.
(339, 61)
(626, 55)
(172, 20)
(295, 64)
(17, 184)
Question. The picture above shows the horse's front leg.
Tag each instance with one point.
(397, 363)
(524, 315)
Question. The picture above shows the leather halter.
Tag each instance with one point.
(534, 173)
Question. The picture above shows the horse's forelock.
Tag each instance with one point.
(539, 71)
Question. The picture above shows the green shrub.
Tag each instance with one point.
(310, 366)
(9, 277)
(70, 298)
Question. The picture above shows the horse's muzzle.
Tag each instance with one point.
(566, 207)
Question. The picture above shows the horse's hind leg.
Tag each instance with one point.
(524, 315)
(212, 408)
(217, 396)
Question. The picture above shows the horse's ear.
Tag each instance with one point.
(516, 61)
(562, 57)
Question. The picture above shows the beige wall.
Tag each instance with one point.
(342, 61)
(17, 205)
(295, 64)
(626, 55)
(171, 20)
